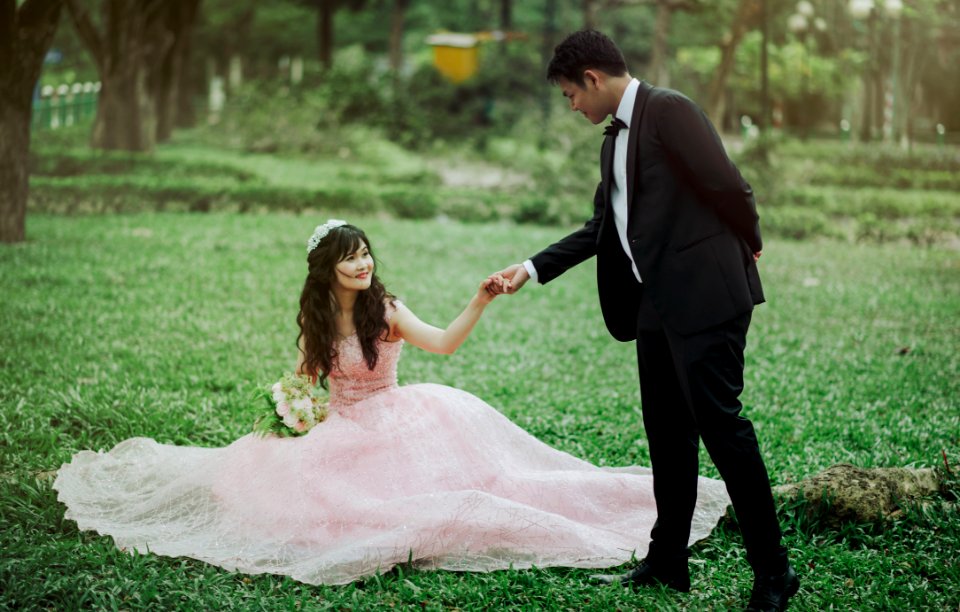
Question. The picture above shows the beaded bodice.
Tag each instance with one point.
(351, 381)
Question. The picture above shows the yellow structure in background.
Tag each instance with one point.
(456, 56)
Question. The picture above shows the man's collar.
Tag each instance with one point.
(625, 110)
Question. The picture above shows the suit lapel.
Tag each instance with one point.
(643, 92)
(606, 156)
(606, 166)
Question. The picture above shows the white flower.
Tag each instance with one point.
(290, 420)
(278, 394)
(304, 405)
(321, 231)
(283, 409)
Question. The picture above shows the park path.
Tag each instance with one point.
(478, 174)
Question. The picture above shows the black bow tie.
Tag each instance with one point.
(615, 126)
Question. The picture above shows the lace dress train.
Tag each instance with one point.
(423, 473)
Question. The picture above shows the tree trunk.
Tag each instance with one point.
(589, 14)
(26, 34)
(866, 128)
(166, 88)
(325, 10)
(186, 116)
(747, 11)
(14, 173)
(181, 17)
(396, 35)
(506, 15)
(126, 118)
(879, 101)
(916, 56)
(764, 68)
(658, 56)
(235, 44)
(164, 78)
(129, 52)
(132, 37)
(866, 125)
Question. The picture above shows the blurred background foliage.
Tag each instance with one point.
(372, 125)
(821, 65)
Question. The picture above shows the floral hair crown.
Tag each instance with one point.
(321, 232)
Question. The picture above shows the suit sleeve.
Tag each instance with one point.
(573, 249)
(691, 139)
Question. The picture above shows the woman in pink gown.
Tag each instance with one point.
(422, 473)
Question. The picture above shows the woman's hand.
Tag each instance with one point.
(514, 277)
(491, 287)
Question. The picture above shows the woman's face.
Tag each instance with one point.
(355, 270)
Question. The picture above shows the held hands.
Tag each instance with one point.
(491, 287)
(514, 278)
(509, 280)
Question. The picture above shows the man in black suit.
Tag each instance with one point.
(676, 235)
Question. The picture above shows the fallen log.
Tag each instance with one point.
(847, 493)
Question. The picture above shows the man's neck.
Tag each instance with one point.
(617, 86)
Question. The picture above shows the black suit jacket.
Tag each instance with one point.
(692, 225)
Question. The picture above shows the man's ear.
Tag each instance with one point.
(592, 78)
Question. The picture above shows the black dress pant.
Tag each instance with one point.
(690, 388)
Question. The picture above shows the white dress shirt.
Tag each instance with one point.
(618, 185)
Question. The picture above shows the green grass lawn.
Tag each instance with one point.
(162, 325)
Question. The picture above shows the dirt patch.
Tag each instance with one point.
(479, 175)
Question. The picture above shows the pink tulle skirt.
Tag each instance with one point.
(423, 473)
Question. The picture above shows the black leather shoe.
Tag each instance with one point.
(651, 574)
(770, 593)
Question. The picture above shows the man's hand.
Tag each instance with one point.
(491, 287)
(515, 275)
(756, 256)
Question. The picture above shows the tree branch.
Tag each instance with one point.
(88, 32)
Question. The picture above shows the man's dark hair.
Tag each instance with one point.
(585, 50)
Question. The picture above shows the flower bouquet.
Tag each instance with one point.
(294, 407)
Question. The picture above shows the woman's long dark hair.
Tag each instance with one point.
(318, 306)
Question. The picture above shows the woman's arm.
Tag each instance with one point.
(404, 324)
